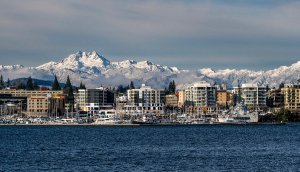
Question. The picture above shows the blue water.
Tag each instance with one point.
(150, 148)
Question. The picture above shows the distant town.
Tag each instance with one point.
(201, 103)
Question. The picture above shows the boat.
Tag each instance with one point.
(238, 114)
(106, 120)
(200, 121)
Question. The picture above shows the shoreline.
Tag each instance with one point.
(140, 124)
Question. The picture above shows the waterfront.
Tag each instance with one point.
(150, 148)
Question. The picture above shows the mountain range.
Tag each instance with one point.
(95, 70)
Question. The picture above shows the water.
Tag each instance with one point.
(150, 148)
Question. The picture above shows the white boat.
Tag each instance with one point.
(108, 121)
(200, 121)
(238, 114)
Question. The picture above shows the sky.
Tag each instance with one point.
(234, 34)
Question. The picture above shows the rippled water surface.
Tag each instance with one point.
(150, 148)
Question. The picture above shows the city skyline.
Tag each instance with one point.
(189, 35)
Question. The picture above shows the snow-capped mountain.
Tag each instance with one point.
(94, 70)
(2, 68)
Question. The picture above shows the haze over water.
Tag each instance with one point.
(150, 148)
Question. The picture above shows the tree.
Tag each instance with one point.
(8, 82)
(55, 85)
(267, 87)
(35, 85)
(281, 85)
(68, 88)
(1, 81)
(19, 85)
(29, 84)
(215, 83)
(172, 87)
(131, 85)
(81, 86)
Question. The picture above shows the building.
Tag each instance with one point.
(91, 98)
(145, 100)
(31, 93)
(171, 100)
(181, 99)
(10, 104)
(224, 97)
(57, 104)
(252, 96)
(201, 97)
(275, 98)
(38, 105)
(97, 100)
(291, 96)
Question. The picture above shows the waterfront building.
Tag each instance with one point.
(31, 93)
(38, 105)
(252, 96)
(10, 103)
(291, 96)
(57, 104)
(223, 97)
(171, 100)
(88, 99)
(201, 97)
(181, 98)
(275, 98)
(145, 100)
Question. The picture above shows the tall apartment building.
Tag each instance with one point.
(88, 99)
(145, 100)
(201, 96)
(291, 96)
(253, 96)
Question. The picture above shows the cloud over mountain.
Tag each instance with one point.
(94, 70)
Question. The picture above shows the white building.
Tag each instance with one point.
(145, 100)
(251, 94)
(201, 94)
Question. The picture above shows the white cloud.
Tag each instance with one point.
(143, 29)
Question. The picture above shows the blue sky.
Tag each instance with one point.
(255, 35)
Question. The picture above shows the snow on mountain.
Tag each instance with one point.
(10, 67)
(94, 70)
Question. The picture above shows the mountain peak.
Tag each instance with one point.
(90, 59)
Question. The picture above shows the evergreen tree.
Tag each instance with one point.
(68, 88)
(29, 84)
(35, 85)
(173, 86)
(55, 85)
(81, 86)
(281, 85)
(170, 87)
(8, 82)
(128, 87)
(1, 81)
(19, 85)
(131, 85)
